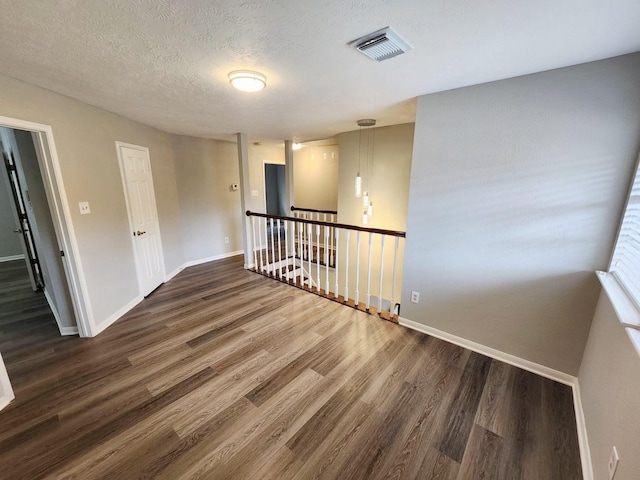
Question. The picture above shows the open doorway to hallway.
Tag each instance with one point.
(34, 235)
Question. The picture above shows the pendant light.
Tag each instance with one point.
(366, 200)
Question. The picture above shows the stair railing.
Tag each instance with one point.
(331, 259)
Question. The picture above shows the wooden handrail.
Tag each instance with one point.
(312, 210)
(381, 231)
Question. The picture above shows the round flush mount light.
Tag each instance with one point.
(296, 146)
(247, 81)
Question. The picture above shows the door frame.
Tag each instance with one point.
(130, 217)
(6, 392)
(57, 199)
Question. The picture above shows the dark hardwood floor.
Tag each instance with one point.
(224, 374)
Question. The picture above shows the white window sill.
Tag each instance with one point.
(627, 311)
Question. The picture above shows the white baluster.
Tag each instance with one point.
(392, 309)
(273, 250)
(299, 227)
(369, 272)
(309, 252)
(358, 269)
(318, 258)
(346, 267)
(286, 250)
(260, 246)
(384, 237)
(335, 259)
(279, 250)
(266, 244)
(326, 261)
(255, 254)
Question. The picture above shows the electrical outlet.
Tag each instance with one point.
(226, 239)
(84, 208)
(613, 463)
(415, 297)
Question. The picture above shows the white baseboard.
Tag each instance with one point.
(193, 263)
(533, 367)
(11, 258)
(543, 371)
(174, 273)
(107, 322)
(583, 440)
(65, 331)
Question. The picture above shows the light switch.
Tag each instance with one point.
(84, 208)
(254, 193)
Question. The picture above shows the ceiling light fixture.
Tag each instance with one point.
(296, 146)
(247, 81)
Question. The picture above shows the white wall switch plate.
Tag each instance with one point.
(254, 193)
(613, 463)
(84, 208)
(226, 239)
(415, 297)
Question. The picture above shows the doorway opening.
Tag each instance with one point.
(41, 222)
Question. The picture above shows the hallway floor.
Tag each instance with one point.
(225, 374)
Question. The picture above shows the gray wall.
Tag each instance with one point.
(210, 210)
(610, 389)
(9, 241)
(517, 188)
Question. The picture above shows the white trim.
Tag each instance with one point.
(193, 263)
(627, 311)
(492, 352)
(61, 217)
(583, 440)
(125, 187)
(67, 331)
(6, 392)
(115, 316)
(11, 258)
(174, 273)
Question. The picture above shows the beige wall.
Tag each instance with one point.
(517, 188)
(315, 170)
(210, 209)
(610, 390)
(386, 178)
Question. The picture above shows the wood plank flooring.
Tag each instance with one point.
(225, 374)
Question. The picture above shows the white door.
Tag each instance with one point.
(143, 217)
(6, 392)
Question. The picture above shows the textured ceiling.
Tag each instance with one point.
(165, 62)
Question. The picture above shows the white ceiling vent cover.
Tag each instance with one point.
(381, 45)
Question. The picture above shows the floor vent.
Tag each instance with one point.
(381, 45)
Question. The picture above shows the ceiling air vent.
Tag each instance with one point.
(381, 45)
